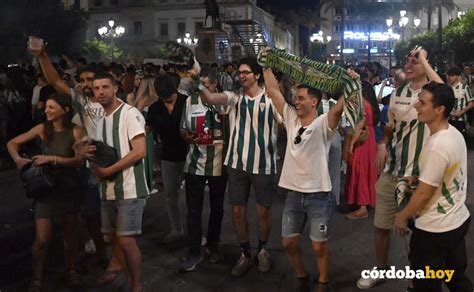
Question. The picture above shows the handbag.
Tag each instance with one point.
(104, 155)
(37, 180)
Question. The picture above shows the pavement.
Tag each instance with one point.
(351, 248)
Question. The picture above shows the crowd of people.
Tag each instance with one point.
(221, 127)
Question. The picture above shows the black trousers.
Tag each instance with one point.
(194, 201)
(441, 251)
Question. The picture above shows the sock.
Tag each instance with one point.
(245, 248)
(262, 244)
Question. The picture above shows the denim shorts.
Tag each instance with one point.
(122, 217)
(299, 207)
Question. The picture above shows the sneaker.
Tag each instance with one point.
(242, 266)
(190, 263)
(89, 247)
(369, 282)
(154, 191)
(213, 254)
(302, 284)
(264, 261)
(173, 236)
(203, 241)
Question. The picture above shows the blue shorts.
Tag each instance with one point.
(122, 217)
(299, 207)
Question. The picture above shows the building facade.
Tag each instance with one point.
(149, 24)
(358, 23)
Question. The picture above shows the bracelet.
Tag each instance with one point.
(55, 160)
(382, 145)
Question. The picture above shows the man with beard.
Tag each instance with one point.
(123, 197)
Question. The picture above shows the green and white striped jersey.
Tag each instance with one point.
(253, 123)
(117, 129)
(202, 159)
(463, 95)
(409, 134)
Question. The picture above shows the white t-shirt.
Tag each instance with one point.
(443, 164)
(305, 168)
(92, 111)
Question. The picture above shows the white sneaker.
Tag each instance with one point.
(203, 241)
(264, 261)
(89, 247)
(154, 191)
(368, 283)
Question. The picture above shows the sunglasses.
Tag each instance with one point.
(298, 137)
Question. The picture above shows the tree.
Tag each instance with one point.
(459, 37)
(429, 6)
(98, 49)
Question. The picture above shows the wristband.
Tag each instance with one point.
(382, 145)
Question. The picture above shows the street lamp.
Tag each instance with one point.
(187, 40)
(111, 32)
(319, 38)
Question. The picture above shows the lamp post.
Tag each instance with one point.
(319, 38)
(111, 32)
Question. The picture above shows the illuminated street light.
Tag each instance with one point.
(111, 32)
(403, 13)
(188, 40)
(416, 22)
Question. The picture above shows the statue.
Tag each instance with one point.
(212, 10)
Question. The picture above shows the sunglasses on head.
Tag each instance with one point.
(298, 137)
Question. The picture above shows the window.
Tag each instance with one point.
(337, 28)
(98, 2)
(137, 28)
(181, 28)
(163, 29)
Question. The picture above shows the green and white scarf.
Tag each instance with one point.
(328, 78)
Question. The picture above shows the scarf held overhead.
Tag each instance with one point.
(328, 78)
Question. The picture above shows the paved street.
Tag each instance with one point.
(351, 245)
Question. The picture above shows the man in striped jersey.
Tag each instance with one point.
(202, 127)
(405, 136)
(251, 157)
(124, 197)
(464, 99)
(305, 174)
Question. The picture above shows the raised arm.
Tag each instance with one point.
(423, 58)
(335, 113)
(212, 98)
(273, 90)
(51, 75)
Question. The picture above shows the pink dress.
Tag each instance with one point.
(361, 173)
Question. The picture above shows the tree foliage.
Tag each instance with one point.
(100, 50)
(458, 41)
